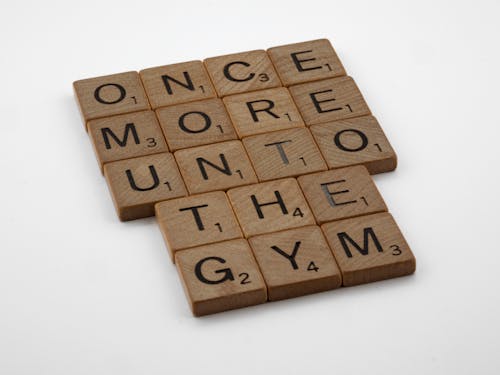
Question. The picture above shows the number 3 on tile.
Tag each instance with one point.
(395, 250)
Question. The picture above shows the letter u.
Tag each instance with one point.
(133, 185)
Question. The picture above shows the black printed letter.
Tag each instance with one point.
(367, 234)
(253, 111)
(230, 77)
(291, 257)
(228, 274)
(196, 215)
(156, 180)
(129, 128)
(224, 169)
(279, 201)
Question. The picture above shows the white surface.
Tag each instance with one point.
(82, 293)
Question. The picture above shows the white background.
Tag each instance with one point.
(82, 293)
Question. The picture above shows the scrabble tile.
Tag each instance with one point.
(329, 100)
(341, 193)
(220, 277)
(369, 248)
(196, 220)
(195, 124)
(306, 61)
(215, 167)
(137, 184)
(263, 111)
(242, 72)
(284, 153)
(126, 136)
(110, 95)
(177, 83)
(270, 207)
(354, 141)
(295, 262)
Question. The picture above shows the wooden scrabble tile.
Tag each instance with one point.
(177, 83)
(354, 141)
(306, 61)
(137, 184)
(195, 124)
(110, 95)
(341, 193)
(295, 262)
(263, 111)
(215, 167)
(284, 153)
(270, 207)
(126, 136)
(329, 100)
(196, 220)
(369, 248)
(220, 277)
(242, 72)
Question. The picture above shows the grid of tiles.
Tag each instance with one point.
(257, 166)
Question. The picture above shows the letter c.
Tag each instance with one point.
(228, 75)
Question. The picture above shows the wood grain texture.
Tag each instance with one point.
(341, 193)
(305, 62)
(329, 100)
(177, 83)
(242, 72)
(369, 248)
(270, 207)
(355, 141)
(196, 124)
(137, 184)
(263, 111)
(126, 136)
(295, 262)
(110, 95)
(285, 153)
(215, 167)
(196, 220)
(220, 277)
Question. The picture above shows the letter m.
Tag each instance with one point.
(107, 133)
(368, 234)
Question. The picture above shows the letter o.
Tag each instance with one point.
(362, 136)
(182, 125)
(121, 89)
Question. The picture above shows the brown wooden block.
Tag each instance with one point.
(126, 136)
(177, 83)
(270, 207)
(284, 153)
(369, 248)
(195, 124)
(329, 100)
(341, 193)
(242, 72)
(263, 111)
(355, 141)
(137, 184)
(196, 220)
(110, 95)
(306, 61)
(295, 262)
(215, 167)
(220, 277)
